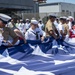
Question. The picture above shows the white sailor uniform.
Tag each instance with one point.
(41, 26)
(27, 26)
(30, 34)
(60, 27)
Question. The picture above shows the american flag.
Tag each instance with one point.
(36, 58)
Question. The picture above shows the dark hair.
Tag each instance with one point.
(61, 19)
(51, 16)
(73, 23)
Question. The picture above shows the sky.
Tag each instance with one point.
(69, 1)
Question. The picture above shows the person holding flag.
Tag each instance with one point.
(7, 32)
(50, 28)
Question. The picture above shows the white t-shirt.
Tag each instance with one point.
(27, 25)
(70, 25)
(60, 27)
(56, 24)
(41, 25)
(21, 27)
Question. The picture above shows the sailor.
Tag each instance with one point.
(56, 23)
(61, 28)
(7, 32)
(71, 19)
(21, 26)
(41, 34)
(27, 24)
(33, 33)
(41, 25)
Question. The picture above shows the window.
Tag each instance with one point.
(70, 13)
(67, 12)
(63, 10)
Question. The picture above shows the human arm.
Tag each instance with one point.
(14, 37)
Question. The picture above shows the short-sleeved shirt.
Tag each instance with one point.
(60, 28)
(33, 34)
(21, 27)
(41, 26)
(70, 25)
(49, 26)
(7, 33)
(27, 26)
(66, 28)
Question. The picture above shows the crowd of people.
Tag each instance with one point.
(58, 29)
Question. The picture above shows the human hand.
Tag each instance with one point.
(25, 41)
(10, 44)
(42, 38)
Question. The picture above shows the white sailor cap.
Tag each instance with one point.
(27, 19)
(61, 18)
(5, 18)
(70, 17)
(21, 20)
(35, 22)
(64, 17)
